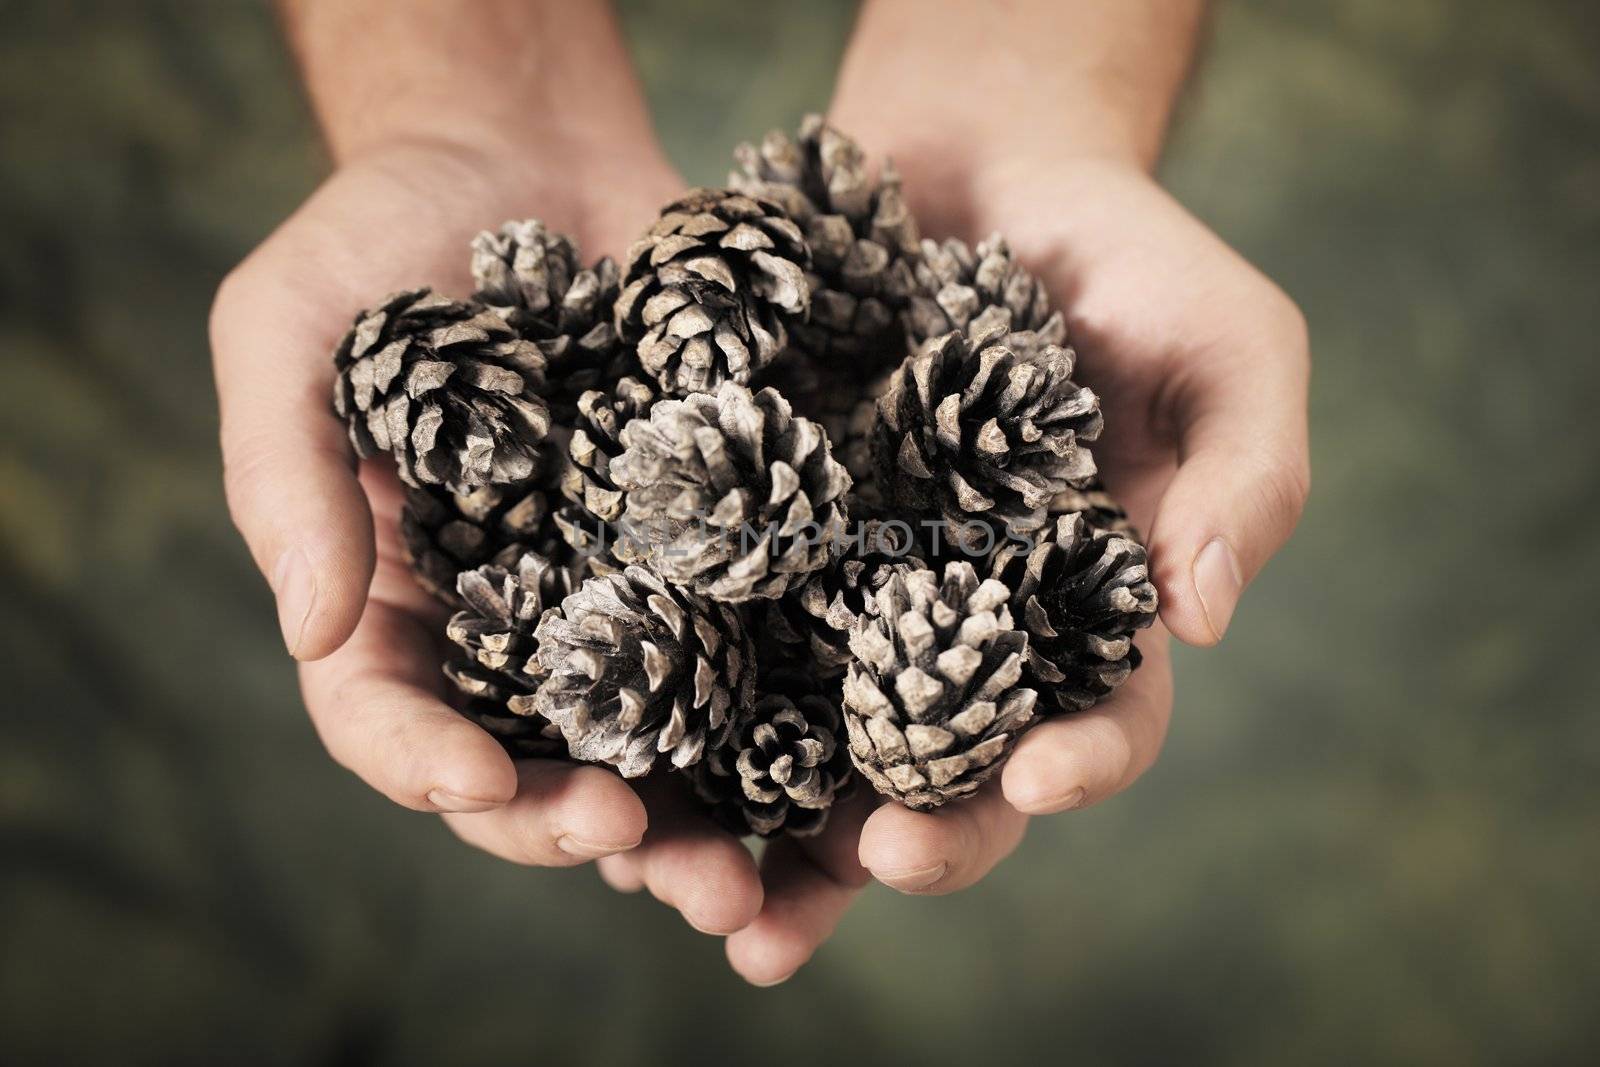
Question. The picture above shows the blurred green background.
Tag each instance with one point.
(1374, 835)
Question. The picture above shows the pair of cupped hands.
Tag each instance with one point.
(1200, 361)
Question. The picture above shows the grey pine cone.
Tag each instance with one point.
(1081, 594)
(709, 293)
(817, 617)
(971, 428)
(730, 493)
(955, 284)
(638, 668)
(444, 533)
(597, 441)
(532, 276)
(494, 630)
(523, 736)
(446, 387)
(783, 767)
(934, 701)
(863, 239)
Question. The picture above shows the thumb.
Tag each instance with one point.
(1242, 480)
(287, 467)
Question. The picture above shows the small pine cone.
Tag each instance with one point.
(956, 284)
(740, 497)
(638, 668)
(447, 388)
(819, 615)
(523, 736)
(1098, 507)
(851, 435)
(970, 428)
(444, 533)
(783, 767)
(533, 278)
(495, 628)
(589, 539)
(863, 239)
(1080, 593)
(596, 442)
(710, 291)
(933, 703)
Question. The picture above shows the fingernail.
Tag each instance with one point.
(588, 850)
(296, 589)
(445, 800)
(773, 981)
(1061, 802)
(906, 881)
(1217, 580)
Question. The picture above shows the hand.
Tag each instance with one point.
(1202, 366)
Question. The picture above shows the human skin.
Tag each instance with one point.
(440, 120)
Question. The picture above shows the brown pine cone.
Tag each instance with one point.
(955, 284)
(447, 388)
(782, 769)
(495, 628)
(596, 442)
(532, 276)
(971, 429)
(711, 290)
(730, 494)
(638, 668)
(863, 241)
(1081, 594)
(933, 702)
(444, 533)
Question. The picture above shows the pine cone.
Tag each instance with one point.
(710, 291)
(447, 388)
(1080, 594)
(495, 629)
(741, 497)
(972, 429)
(444, 534)
(862, 237)
(638, 668)
(532, 277)
(955, 284)
(1098, 507)
(784, 766)
(596, 442)
(933, 703)
(819, 615)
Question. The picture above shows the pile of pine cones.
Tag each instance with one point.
(789, 494)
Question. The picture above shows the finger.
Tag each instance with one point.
(940, 851)
(620, 872)
(690, 863)
(375, 704)
(287, 467)
(1242, 479)
(563, 814)
(1077, 760)
(808, 884)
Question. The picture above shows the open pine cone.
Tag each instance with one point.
(730, 494)
(638, 668)
(933, 703)
(783, 767)
(1081, 594)
(447, 388)
(596, 442)
(863, 240)
(495, 628)
(532, 277)
(971, 428)
(955, 284)
(710, 291)
(444, 534)
(819, 615)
